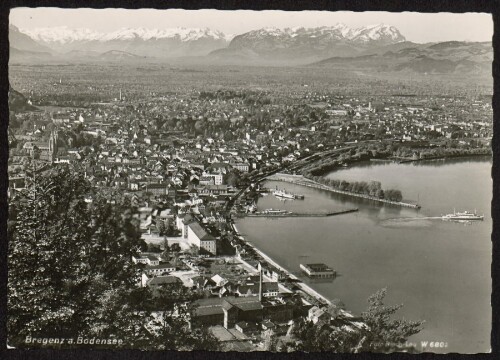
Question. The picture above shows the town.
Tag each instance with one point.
(192, 161)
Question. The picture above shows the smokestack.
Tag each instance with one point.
(260, 283)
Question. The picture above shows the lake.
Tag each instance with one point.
(439, 270)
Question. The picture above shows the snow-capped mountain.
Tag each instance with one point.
(299, 45)
(379, 33)
(139, 41)
(326, 35)
(63, 34)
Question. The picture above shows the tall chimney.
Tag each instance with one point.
(260, 283)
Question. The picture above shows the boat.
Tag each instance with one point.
(466, 215)
(286, 195)
(283, 194)
(275, 211)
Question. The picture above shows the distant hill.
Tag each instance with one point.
(16, 55)
(118, 55)
(18, 102)
(443, 58)
(23, 42)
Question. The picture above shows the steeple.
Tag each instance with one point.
(53, 144)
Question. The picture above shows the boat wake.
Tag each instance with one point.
(419, 221)
(409, 222)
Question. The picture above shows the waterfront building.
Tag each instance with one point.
(317, 270)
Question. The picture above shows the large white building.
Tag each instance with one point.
(218, 178)
(197, 236)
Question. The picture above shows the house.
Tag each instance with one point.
(207, 180)
(182, 221)
(147, 259)
(157, 189)
(243, 167)
(245, 327)
(219, 280)
(316, 314)
(214, 190)
(269, 289)
(166, 214)
(202, 282)
(268, 325)
(217, 178)
(159, 269)
(159, 281)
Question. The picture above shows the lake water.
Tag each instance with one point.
(439, 270)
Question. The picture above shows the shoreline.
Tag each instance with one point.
(302, 285)
(403, 161)
(400, 161)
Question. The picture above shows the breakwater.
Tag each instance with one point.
(300, 180)
(292, 214)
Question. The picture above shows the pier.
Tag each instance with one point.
(302, 214)
(300, 180)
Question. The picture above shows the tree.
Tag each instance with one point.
(386, 334)
(65, 255)
(165, 247)
(380, 332)
(71, 274)
(160, 226)
(393, 195)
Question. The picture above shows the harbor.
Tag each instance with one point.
(364, 237)
(302, 181)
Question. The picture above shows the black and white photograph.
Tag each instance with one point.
(249, 181)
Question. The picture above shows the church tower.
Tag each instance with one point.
(53, 145)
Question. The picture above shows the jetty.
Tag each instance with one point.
(285, 213)
(301, 180)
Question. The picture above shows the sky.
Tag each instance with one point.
(416, 27)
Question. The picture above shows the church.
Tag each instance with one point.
(45, 151)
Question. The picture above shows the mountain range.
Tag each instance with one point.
(309, 44)
(380, 47)
(142, 42)
(440, 58)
